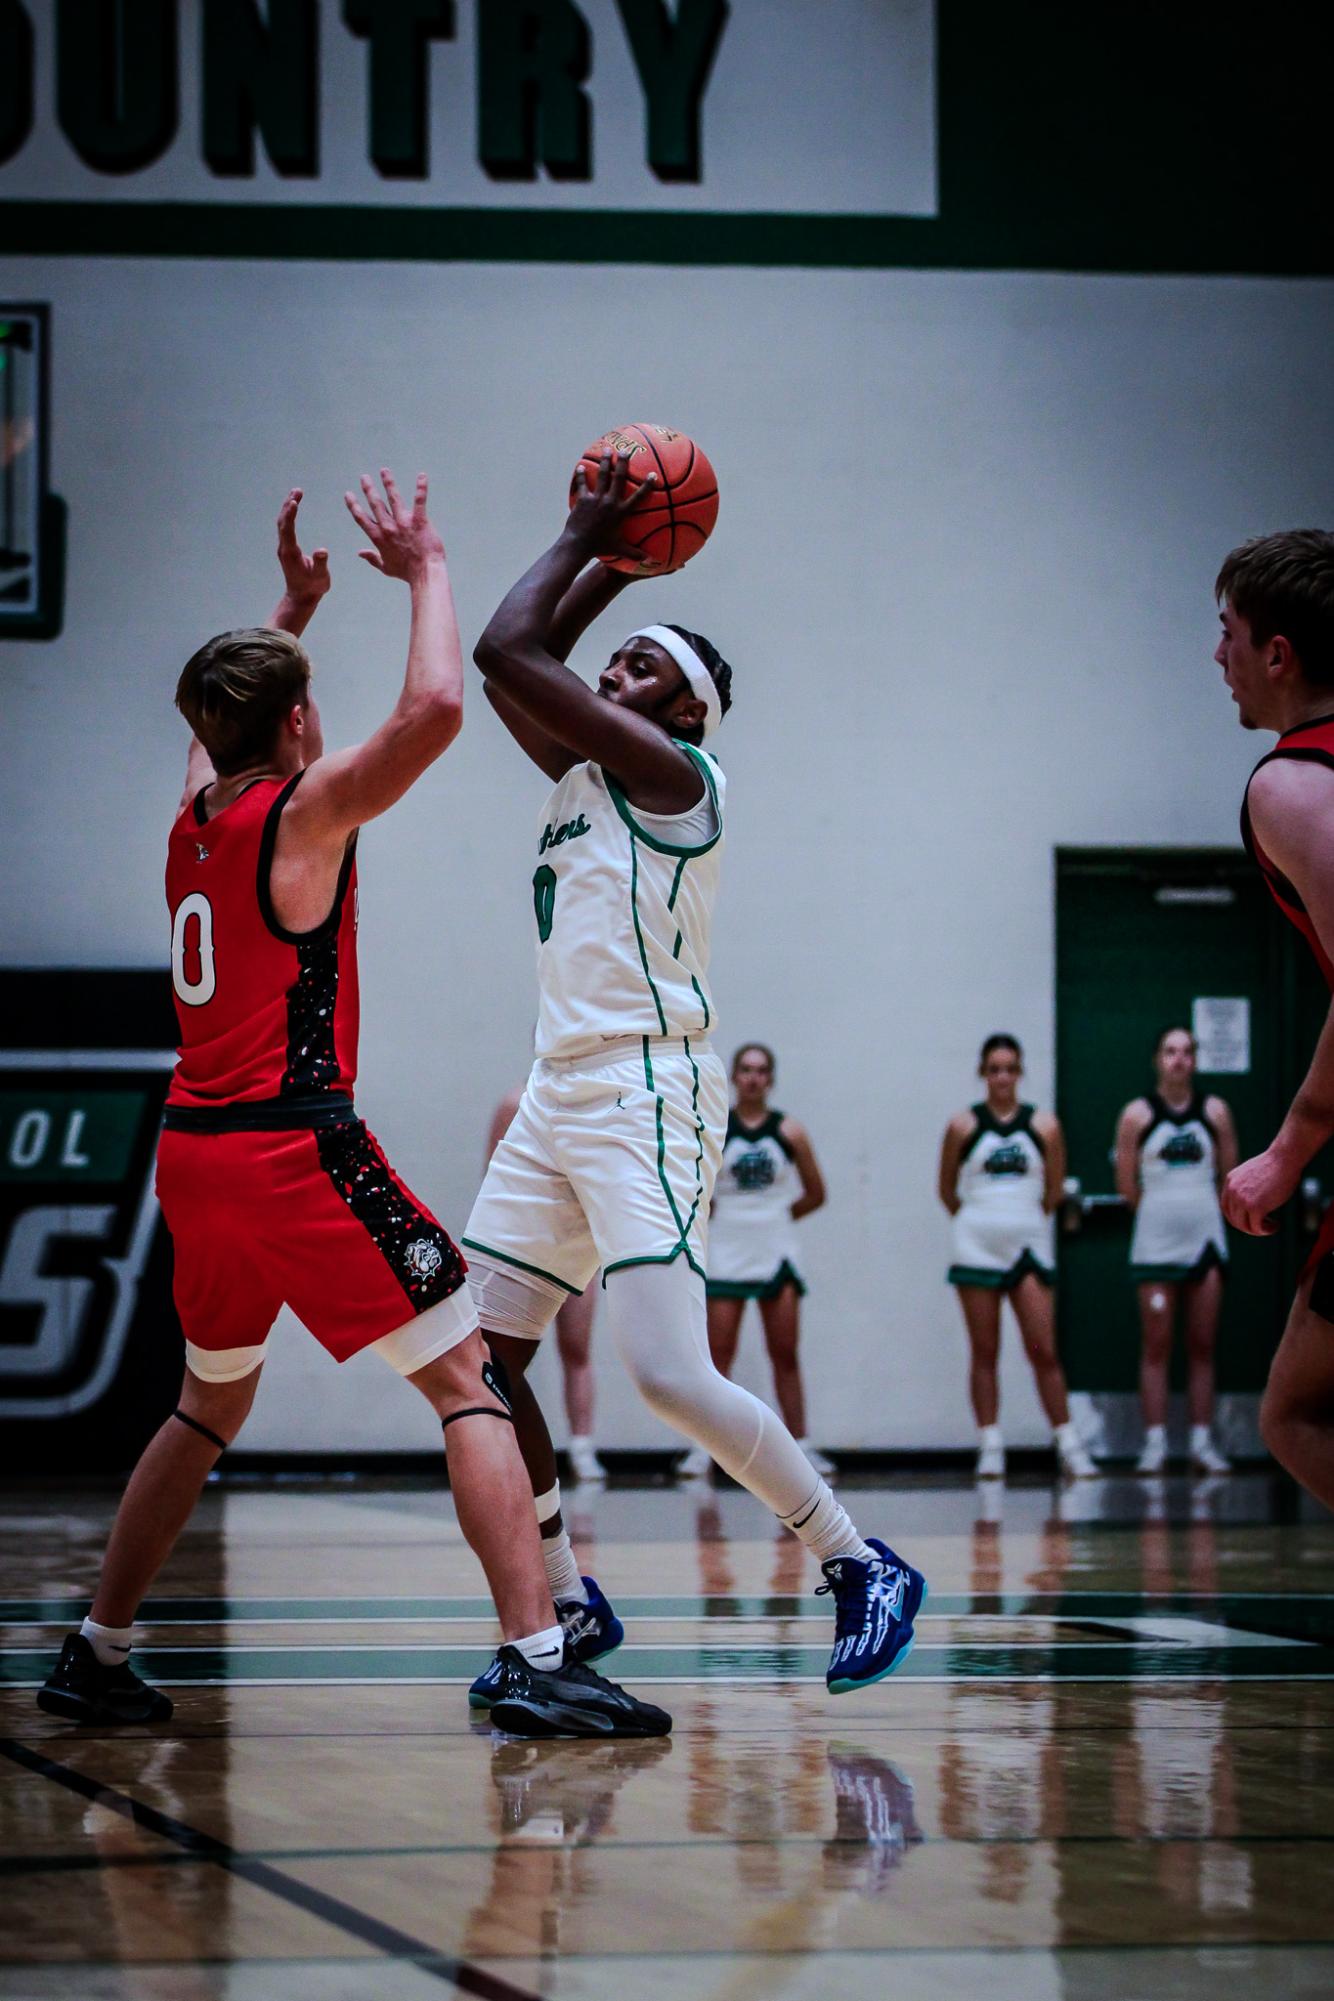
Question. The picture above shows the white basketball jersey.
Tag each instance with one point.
(624, 914)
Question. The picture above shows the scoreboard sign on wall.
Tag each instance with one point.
(944, 134)
(503, 103)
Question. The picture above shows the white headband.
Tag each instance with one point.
(701, 681)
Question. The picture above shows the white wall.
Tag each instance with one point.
(963, 570)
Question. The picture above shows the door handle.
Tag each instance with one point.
(1077, 1207)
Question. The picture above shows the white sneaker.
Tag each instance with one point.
(990, 1463)
(1074, 1461)
(1205, 1456)
(823, 1466)
(584, 1462)
(1153, 1458)
(697, 1464)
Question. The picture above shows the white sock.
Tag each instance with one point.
(578, 1438)
(1155, 1434)
(547, 1504)
(562, 1570)
(1065, 1434)
(545, 1650)
(826, 1528)
(111, 1644)
(989, 1435)
(1200, 1435)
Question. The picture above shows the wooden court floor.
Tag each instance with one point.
(1106, 1774)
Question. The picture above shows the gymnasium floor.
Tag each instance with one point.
(1106, 1774)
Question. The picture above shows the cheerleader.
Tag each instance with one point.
(768, 1179)
(1002, 1173)
(1174, 1148)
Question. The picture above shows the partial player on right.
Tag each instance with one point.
(1277, 655)
(1002, 1173)
(1174, 1146)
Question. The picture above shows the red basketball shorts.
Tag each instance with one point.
(317, 1221)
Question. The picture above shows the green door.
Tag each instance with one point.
(1141, 935)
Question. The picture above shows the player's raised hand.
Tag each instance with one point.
(306, 578)
(597, 511)
(1255, 1191)
(403, 540)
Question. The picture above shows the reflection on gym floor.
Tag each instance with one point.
(1117, 1734)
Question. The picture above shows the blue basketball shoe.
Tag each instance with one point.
(874, 1608)
(592, 1631)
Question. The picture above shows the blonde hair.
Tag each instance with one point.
(236, 689)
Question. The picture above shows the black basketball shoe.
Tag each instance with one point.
(80, 1690)
(571, 1701)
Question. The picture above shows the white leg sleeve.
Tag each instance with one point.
(659, 1323)
(509, 1301)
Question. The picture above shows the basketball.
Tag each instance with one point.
(677, 519)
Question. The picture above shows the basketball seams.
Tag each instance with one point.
(695, 500)
(666, 487)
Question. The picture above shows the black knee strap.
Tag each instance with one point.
(476, 1410)
(202, 1429)
(497, 1379)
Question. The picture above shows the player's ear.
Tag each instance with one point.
(688, 713)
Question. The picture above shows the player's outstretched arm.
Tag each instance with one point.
(1292, 813)
(305, 578)
(515, 655)
(349, 787)
(305, 581)
(588, 596)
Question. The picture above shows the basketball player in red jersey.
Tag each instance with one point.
(1277, 654)
(273, 1189)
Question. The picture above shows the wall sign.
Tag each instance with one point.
(603, 104)
(90, 1348)
(1222, 1031)
(32, 519)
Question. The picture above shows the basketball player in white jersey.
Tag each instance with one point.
(769, 1178)
(1174, 1149)
(612, 1155)
(574, 1338)
(1002, 1173)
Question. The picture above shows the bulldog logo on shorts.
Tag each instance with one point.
(423, 1258)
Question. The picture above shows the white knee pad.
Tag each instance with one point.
(659, 1323)
(510, 1301)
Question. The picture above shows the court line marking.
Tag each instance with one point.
(385, 1938)
(1218, 1638)
(777, 1681)
(36, 1865)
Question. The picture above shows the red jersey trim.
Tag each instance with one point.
(1285, 893)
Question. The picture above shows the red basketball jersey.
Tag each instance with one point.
(1315, 743)
(267, 1016)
